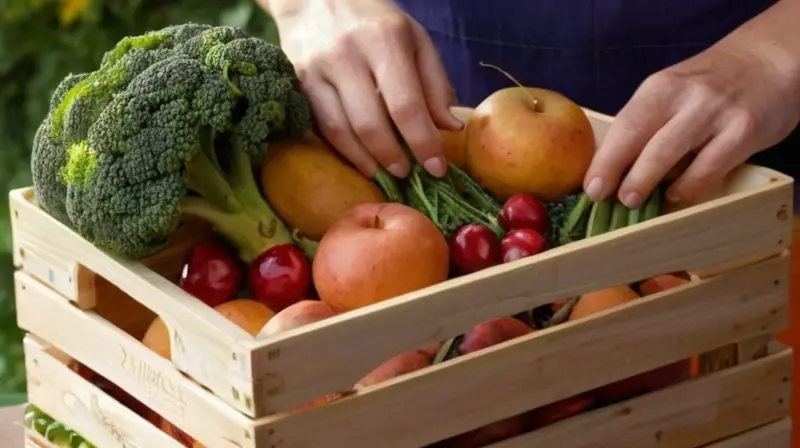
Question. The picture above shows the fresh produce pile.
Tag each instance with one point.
(54, 432)
(201, 122)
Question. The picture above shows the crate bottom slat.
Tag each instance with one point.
(773, 435)
(690, 414)
(83, 407)
(713, 407)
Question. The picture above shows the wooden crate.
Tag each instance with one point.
(228, 389)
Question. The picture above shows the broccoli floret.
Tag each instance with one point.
(167, 126)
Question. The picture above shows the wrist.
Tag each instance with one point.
(774, 37)
(283, 9)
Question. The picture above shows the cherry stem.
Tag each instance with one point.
(533, 99)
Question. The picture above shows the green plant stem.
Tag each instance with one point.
(445, 205)
(251, 234)
(232, 202)
(205, 179)
(451, 201)
(389, 185)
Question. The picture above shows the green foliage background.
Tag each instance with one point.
(41, 41)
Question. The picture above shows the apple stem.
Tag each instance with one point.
(377, 224)
(515, 81)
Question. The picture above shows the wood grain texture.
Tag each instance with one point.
(691, 414)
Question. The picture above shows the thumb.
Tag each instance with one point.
(439, 94)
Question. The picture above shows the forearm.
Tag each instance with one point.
(775, 35)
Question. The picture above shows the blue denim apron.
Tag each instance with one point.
(596, 52)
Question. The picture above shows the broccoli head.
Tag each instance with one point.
(167, 126)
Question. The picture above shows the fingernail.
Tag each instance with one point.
(398, 169)
(632, 200)
(436, 166)
(458, 120)
(673, 197)
(595, 188)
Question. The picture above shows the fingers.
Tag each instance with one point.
(681, 134)
(364, 109)
(399, 82)
(436, 86)
(727, 150)
(334, 126)
(633, 127)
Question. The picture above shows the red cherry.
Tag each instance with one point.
(474, 247)
(280, 276)
(521, 243)
(210, 273)
(523, 211)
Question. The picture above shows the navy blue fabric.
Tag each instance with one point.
(597, 52)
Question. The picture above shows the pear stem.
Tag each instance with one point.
(533, 99)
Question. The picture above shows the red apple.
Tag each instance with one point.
(529, 140)
(560, 410)
(376, 252)
(301, 313)
(396, 366)
(491, 332)
(482, 336)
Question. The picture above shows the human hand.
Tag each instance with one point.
(364, 65)
(725, 104)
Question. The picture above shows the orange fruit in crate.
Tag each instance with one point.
(248, 314)
(309, 185)
(455, 142)
(649, 381)
(156, 338)
(597, 301)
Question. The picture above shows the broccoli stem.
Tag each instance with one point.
(250, 234)
(232, 203)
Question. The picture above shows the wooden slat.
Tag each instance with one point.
(127, 363)
(302, 364)
(549, 365)
(205, 345)
(84, 408)
(690, 414)
(773, 435)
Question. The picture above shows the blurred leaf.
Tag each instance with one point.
(238, 15)
(12, 399)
